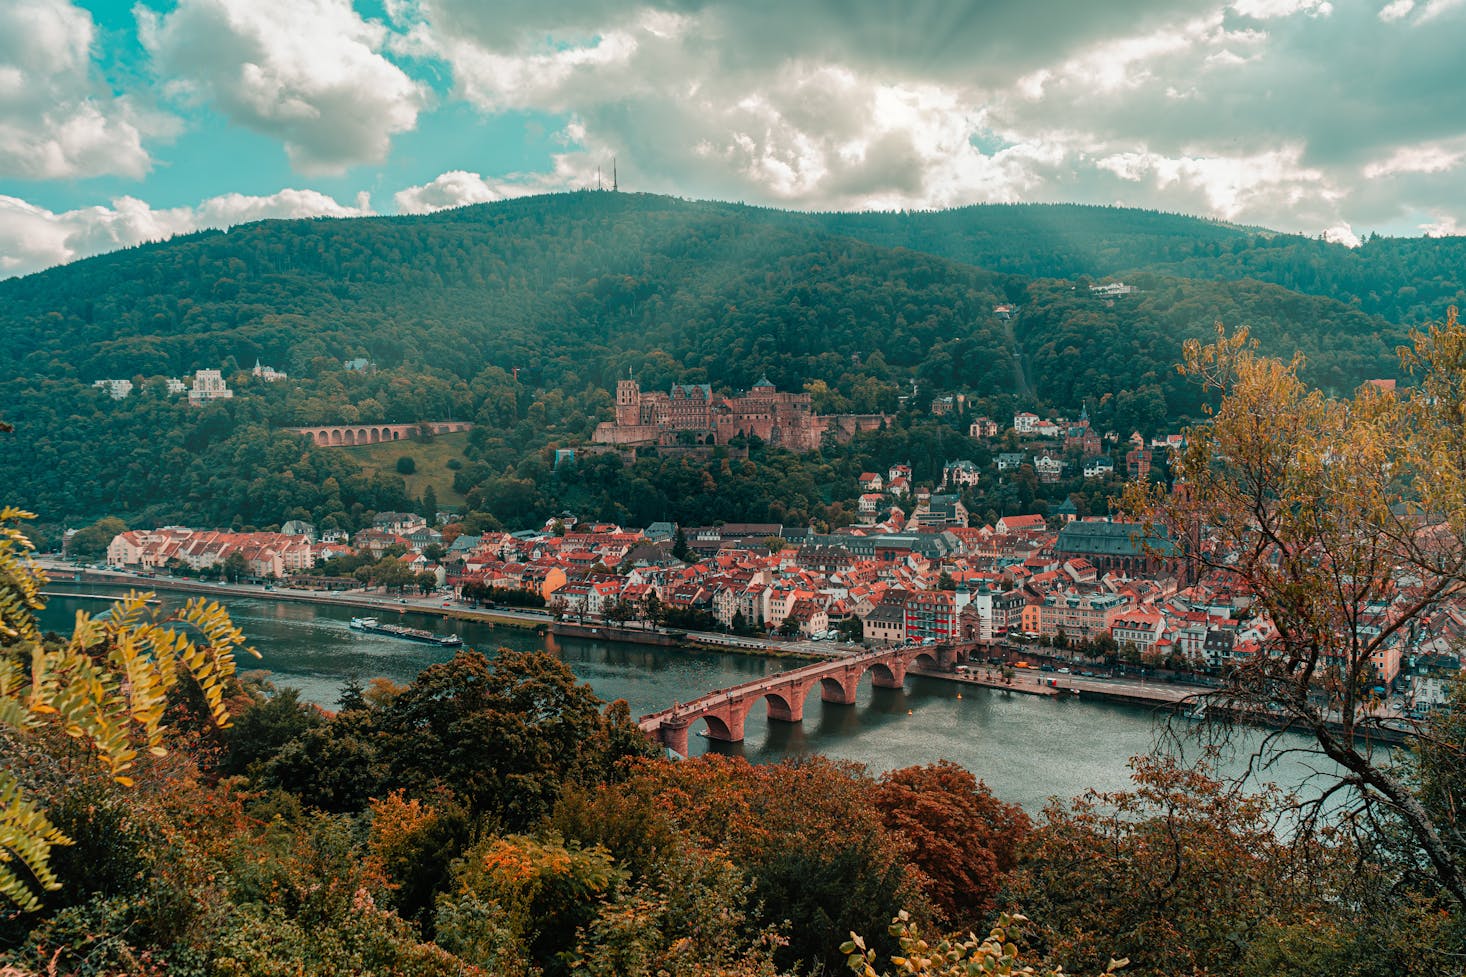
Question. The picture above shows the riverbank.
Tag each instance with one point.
(1193, 701)
(537, 621)
(664, 638)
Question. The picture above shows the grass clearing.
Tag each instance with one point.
(430, 456)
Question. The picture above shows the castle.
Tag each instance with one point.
(691, 414)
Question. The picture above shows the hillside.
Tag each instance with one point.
(522, 314)
(1405, 280)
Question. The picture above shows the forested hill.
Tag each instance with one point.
(522, 314)
(1407, 280)
(728, 292)
(594, 280)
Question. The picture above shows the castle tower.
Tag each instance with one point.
(628, 402)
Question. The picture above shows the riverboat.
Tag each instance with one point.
(372, 626)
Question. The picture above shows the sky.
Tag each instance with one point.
(124, 122)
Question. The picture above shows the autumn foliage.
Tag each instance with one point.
(963, 839)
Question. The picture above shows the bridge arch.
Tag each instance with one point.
(926, 659)
(717, 729)
(781, 708)
(888, 675)
(840, 689)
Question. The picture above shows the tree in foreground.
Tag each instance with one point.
(995, 956)
(107, 686)
(963, 839)
(1344, 521)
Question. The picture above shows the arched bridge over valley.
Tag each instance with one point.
(350, 435)
(725, 710)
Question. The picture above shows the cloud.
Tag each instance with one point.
(308, 72)
(1305, 115)
(1212, 106)
(456, 188)
(1229, 187)
(1269, 9)
(57, 118)
(1444, 225)
(1342, 233)
(33, 238)
(1425, 158)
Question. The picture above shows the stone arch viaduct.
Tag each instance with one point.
(343, 435)
(725, 710)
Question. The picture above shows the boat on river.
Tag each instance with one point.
(372, 626)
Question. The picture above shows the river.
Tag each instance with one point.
(1027, 748)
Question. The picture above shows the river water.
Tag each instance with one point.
(1027, 748)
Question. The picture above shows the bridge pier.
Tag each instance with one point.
(672, 734)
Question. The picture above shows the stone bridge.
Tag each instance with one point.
(343, 435)
(725, 710)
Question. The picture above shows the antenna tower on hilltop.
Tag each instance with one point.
(615, 185)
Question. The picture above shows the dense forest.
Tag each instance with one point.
(521, 315)
(495, 818)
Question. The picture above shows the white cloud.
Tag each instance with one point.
(1206, 106)
(1270, 9)
(308, 72)
(1424, 158)
(1232, 187)
(1342, 233)
(1400, 9)
(33, 238)
(456, 188)
(57, 119)
(1435, 8)
(1444, 225)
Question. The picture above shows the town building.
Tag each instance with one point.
(960, 474)
(885, 626)
(264, 554)
(941, 511)
(983, 427)
(116, 389)
(208, 385)
(1079, 616)
(932, 614)
(1137, 464)
(266, 373)
(1115, 546)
